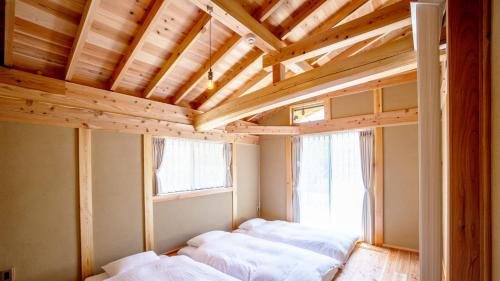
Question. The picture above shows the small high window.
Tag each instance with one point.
(308, 113)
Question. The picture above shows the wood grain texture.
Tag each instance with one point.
(85, 191)
(375, 263)
(10, 14)
(147, 165)
(234, 172)
(379, 171)
(289, 179)
(469, 82)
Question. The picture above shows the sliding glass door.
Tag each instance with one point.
(330, 186)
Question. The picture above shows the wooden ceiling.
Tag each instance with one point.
(159, 49)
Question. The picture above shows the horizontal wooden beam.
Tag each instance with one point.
(236, 18)
(383, 119)
(263, 130)
(178, 53)
(377, 23)
(19, 84)
(397, 57)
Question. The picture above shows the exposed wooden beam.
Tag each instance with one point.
(152, 18)
(375, 120)
(266, 10)
(382, 62)
(343, 12)
(86, 20)
(10, 15)
(377, 23)
(184, 90)
(278, 72)
(85, 202)
(263, 130)
(234, 16)
(178, 53)
(19, 84)
(333, 56)
(206, 99)
(298, 17)
(254, 80)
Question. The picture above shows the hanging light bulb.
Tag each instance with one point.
(210, 81)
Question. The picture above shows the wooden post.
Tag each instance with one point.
(148, 192)
(427, 18)
(234, 171)
(289, 178)
(469, 94)
(379, 171)
(278, 72)
(85, 192)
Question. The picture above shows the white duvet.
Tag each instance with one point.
(330, 243)
(178, 268)
(254, 259)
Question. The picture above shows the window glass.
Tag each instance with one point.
(308, 114)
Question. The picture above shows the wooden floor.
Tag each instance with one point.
(381, 264)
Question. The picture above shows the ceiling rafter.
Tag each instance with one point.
(265, 11)
(177, 54)
(86, 20)
(298, 17)
(334, 56)
(378, 63)
(236, 70)
(184, 90)
(151, 20)
(343, 12)
(254, 80)
(379, 22)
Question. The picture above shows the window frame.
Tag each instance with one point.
(326, 107)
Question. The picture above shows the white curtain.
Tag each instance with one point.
(346, 182)
(158, 148)
(330, 182)
(366, 153)
(314, 180)
(296, 155)
(192, 165)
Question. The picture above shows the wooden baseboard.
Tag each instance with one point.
(399, 248)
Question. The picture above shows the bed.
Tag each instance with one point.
(177, 268)
(334, 244)
(253, 259)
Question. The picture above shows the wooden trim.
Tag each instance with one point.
(234, 172)
(469, 91)
(289, 179)
(86, 20)
(388, 246)
(190, 194)
(147, 151)
(379, 171)
(377, 23)
(85, 194)
(8, 40)
(149, 23)
(384, 119)
(263, 130)
(391, 59)
(177, 54)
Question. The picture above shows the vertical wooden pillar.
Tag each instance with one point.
(469, 93)
(85, 194)
(427, 22)
(379, 171)
(289, 179)
(147, 151)
(10, 15)
(278, 72)
(234, 171)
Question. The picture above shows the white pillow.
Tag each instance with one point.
(249, 224)
(205, 237)
(127, 263)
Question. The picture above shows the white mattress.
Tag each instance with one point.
(253, 259)
(177, 268)
(334, 244)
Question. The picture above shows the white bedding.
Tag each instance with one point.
(253, 259)
(178, 268)
(330, 243)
